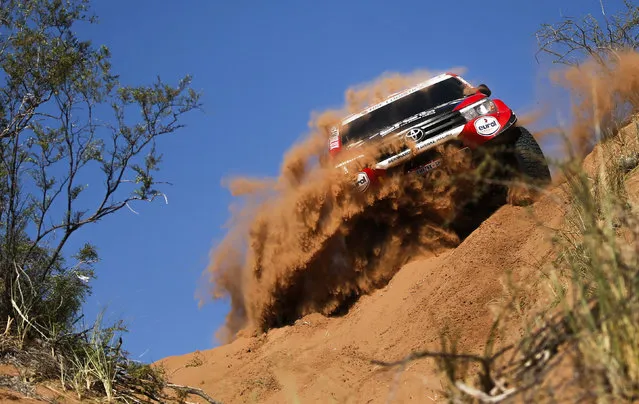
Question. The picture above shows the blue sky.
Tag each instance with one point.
(263, 68)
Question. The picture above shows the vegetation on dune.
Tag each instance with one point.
(583, 345)
(67, 122)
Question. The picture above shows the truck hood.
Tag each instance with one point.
(390, 132)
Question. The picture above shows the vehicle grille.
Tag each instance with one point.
(436, 126)
(442, 123)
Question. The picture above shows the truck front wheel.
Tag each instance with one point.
(531, 173)
(531, 161)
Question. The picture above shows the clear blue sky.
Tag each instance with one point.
(263, 68)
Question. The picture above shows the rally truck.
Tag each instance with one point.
(445, 109)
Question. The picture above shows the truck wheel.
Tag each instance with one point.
(531, 162)
(531, 167)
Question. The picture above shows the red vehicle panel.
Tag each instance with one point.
(439, 110)
(487, 127)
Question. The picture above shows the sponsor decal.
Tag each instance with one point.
(427, 167)
(397, 157)
(487, 125)
(333, 144)
(333, 141)
(405, 122)
(415, 134)
(363, 182)
(437, 139)
(420, 146)
(416, 117)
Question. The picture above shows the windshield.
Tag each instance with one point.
(423, 100)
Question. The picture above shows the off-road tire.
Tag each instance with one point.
(531, 162)
(531, 173)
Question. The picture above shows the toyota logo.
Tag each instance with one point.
(415, 134)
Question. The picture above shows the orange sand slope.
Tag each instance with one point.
(320, 359)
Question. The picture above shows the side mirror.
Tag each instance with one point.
(483, 88)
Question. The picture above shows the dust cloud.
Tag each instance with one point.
(605, 97)
(306, 241)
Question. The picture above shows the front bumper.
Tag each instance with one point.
(472, 134)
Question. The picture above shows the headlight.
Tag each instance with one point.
(483, 108)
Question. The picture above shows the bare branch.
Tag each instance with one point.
(586, 38)
(193, 390)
